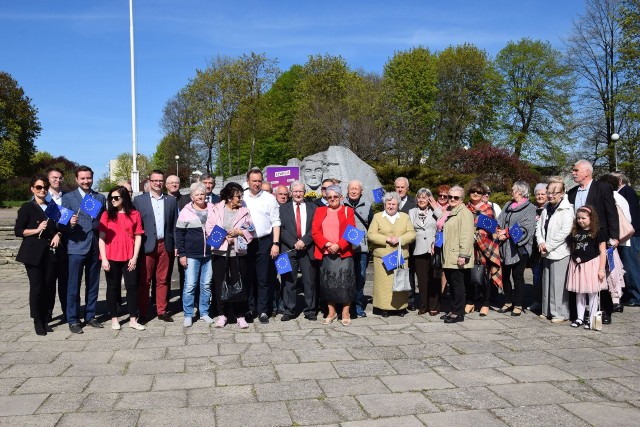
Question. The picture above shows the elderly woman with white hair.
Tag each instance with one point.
(337, 274)
(514, 249)
(535, 260)
(389, 229)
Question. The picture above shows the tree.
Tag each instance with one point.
(124, 166)
(410, 79)
(468, 96)
(537, 109)
(593, 53)
(19, 128)
(178, 122)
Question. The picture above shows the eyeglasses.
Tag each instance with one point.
(332, 197)
(456, 198)
(442, 196)
(116, 198)
(324, 188)
(41, 187)
(476, 192)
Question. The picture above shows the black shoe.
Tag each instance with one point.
(47, 327)
(606, 319)
(76, 328)
(618, 308)
(286, 318)
(445, 316)
(263, 318)
(165, 317)
(451, 319)
(39, 327)
(411, 307)
(311, 317)
(402, 313)
(631, 304)
(94, 324)
(384, 313)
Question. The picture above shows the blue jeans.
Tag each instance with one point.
(629, 255)
(360, 262)
(91, 265)
(197, 267)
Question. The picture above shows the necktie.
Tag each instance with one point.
(298, 222)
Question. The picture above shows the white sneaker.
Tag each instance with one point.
(116, 326)
(207, 319)
(188, 322)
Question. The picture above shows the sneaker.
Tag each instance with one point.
(115, 326)
(263, 318)
(222, 320)
(242, 324)
(76, 328)
(188, 321)
(207, 319)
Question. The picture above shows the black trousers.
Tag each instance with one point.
(515, 295)
(62, 277)
(118, 270)
(456, 279)
(260, 277)
(300, 262)
(237, 266)
(42, 284)
(428, 285)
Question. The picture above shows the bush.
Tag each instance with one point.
(16, 188)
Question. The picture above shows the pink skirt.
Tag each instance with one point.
(615, 278)
(583, 277)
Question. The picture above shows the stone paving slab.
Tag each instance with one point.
(407, 371)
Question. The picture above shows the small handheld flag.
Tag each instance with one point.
(90, 206)
(216, 237)
(516, 233)
(487, 223)
(610, 261)
(353, 235)
(439, 239)
(390, 261)
(59, 214)
(283, 265)
(378, 195)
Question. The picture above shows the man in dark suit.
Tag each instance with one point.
(406, 204)
(158, 212)
(321, 201)
(209, 184)
(296, 217)
(82, 250)
(56, 177)
(600, 196)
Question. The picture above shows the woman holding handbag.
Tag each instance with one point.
(386, 231)
(229, 260)
(486, 267)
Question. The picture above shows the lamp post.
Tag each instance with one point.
(614, 138)
(177, 158)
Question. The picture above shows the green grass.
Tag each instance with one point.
(11, 203)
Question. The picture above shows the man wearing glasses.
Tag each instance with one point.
(158, 212)
(322, 201)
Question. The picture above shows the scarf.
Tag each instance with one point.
(487, 249)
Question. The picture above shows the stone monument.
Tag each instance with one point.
(336, 162)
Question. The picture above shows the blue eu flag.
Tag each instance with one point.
(283, 265)
(439, 239)
(90, 206)
(516, 233)
(216, 237)
(59, 214)
(353, 235)
(610, 261)
(390, 261)
(378, 195)
(487, 223)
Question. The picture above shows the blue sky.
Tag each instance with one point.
(72, 56)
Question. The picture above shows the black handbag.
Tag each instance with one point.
(477, 275)
(232, 291)
(436, 258)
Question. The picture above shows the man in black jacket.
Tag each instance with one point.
(630, 254)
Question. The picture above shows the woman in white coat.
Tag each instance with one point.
(552, 230)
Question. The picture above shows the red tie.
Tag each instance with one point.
(298, 222)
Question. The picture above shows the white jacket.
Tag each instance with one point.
(624, 207)
(560, 224)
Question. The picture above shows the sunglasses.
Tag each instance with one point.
(456, 198)
(41, 187)
(476, 192)
(442, 196)
(116, 198)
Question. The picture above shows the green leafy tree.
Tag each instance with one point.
(538, 87)
(410, 79)
(19, 128)
(468, 96)
(124, 166)
(178, 123)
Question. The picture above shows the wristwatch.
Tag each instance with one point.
(275, 243)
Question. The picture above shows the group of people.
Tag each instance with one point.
(563, 237)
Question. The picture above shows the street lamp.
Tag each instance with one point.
(177, 158)
(614, 138)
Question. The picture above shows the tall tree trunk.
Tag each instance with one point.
(229, 149)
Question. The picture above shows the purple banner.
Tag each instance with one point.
(282, 175)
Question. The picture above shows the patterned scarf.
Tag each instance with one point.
(487, 249)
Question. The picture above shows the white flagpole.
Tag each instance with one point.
(135, 180)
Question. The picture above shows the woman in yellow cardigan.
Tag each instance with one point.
(386, 230)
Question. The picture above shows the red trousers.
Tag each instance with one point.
(156, 266)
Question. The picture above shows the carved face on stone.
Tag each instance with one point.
(312, 171)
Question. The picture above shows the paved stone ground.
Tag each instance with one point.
(410, 371)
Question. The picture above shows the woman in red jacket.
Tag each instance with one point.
(337, 274)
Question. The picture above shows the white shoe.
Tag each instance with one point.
(115, 326)
(207, 319)
(188, 322)
(137, 326)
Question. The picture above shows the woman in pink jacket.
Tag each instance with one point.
(232, 215)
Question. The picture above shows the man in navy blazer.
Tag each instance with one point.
(600, 196)
(295, 236)
(82, 249)
(158, 212)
